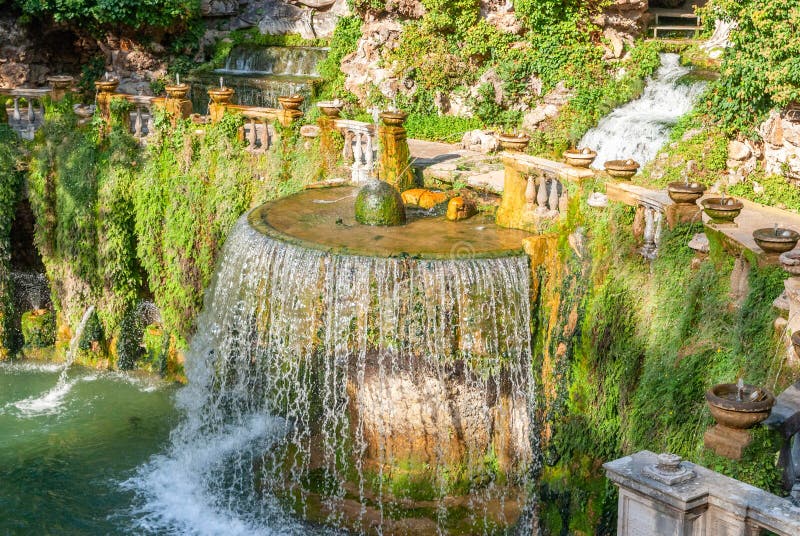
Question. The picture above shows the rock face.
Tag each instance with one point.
(29, 55)
(622, 22)
(365, 67)
(781, 135)
(310, 19)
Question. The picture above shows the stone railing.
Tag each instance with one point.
(660, 494)
(25, 120)
(141, 117)
(535, 190)
(258, 131)
(360, 148)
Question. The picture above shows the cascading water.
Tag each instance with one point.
(371, 394)
(260, 75)
(640, 128)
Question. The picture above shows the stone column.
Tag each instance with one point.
(176, 104)
(327, 145)
(220, 99)
(59, 85)
(105, 92)
(521, 197)
(395, 158)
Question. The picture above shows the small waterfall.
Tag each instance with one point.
(260, 75)
(51, 401)
(319, 382)
(640, 128)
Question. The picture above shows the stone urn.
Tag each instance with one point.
(177, 91)
(776, 240)
(622, 169)
(106, 86)
(685, 193)
(293, 102)
(790, 262)
(582, 158)
(722, 209)
(330, 109)
(739, 406)
(514, 142)
(379, 203)
(221, 96)
(393, 118)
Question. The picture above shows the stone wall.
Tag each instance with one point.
(778, 149)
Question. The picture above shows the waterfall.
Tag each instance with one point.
(317, 382)
(260, 75)
(640, 128)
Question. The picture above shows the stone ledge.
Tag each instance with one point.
(785, 415)
(729, 496)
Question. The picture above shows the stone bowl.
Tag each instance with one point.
(221, 96)
(291, 102)
(393, 118)
(106, 86)
(683, 193)
(60, 81)
(776, 240)
(580, 158)
(622, 169)
(722, 210)
(790, 262)
(330, 109)
(796, 343)
(514, 142)
(729, 412)
(177, 91)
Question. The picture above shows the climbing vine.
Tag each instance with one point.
(10, 183)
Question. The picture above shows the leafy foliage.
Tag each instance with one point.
(10, 189)
(135, 14)
(762, 69)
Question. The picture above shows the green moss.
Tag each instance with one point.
(39, 329)
(379, 203)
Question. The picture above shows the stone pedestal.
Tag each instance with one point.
(792, 294)
(395, 158)
(60, 86)
(727, 442)
(177, 105)
(327, 146)
(517, 209)
(678, 214)
(105, 92)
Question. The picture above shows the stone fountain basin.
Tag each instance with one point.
(514, 142)
(684, 193)
(776, 240)
(106, 85)
(722, 210)
(622, 169)
(580, 158)
(330, 108)
(790, 262)
(727, 411)
(393, 118)
(292, 102)
(178, 91)
(222, 95)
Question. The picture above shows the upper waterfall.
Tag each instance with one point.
(640, 128)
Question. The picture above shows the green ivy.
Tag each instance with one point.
(10, 191)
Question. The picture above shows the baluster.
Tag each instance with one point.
(659, 222)
(31, 115)
(150, 125)
(541, 198)
(649, 227)
(563, 201)
(369, 155)
(251, 135)
(358, 150)
(530, 192)
(137, 122)
(347, 152)
(17, 116)
(553, 201)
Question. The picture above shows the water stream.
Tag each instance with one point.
(259, 75)
(640, 128)
(358, 392)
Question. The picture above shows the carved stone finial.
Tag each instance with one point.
(668, 470)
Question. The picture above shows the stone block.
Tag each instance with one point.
(678, 214)
(727, 442)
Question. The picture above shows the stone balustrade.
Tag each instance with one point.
(662, 495)
(258, 131)
(535, 191)
(28, 118)
(360, 148)
(141, 116)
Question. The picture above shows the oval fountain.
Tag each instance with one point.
(391, 363)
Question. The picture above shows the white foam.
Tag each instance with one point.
(177, 491)
(48, 403)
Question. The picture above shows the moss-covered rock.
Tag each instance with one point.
(39, 328)
(378, 203)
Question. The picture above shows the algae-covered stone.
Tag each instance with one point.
(378, 203)
(460, 208)
(39, 328)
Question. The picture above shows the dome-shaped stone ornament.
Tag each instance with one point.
(379, 203)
